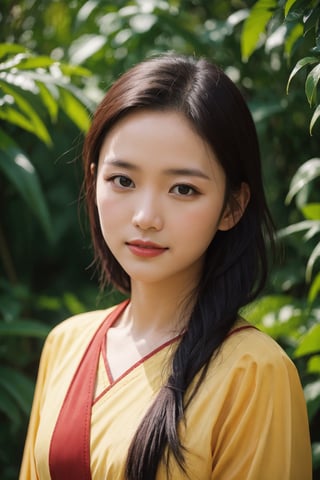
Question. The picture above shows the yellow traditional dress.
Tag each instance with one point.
(248, 420)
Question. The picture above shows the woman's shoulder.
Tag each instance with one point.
(68, 340)
(78, 328)
(246, 345)
(250, 362)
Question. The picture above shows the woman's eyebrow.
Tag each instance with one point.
(189, 172)
(115, 162)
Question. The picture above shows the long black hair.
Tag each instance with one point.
(236, 263)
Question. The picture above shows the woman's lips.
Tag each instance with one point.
(145, 249)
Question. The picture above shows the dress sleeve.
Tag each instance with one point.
(265, 432)
(28, 469)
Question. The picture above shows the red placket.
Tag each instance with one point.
(69, 455)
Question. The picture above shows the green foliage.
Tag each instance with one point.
(294, 22)
(255, 24)
(26, 79)
(300, 187)
(30, 84)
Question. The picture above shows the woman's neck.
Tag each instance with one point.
(158, 309)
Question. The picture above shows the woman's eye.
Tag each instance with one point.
(122, 181)
(184, 190)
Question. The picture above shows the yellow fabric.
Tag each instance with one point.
(247, 422)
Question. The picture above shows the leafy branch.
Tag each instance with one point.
(31, 87)
(294, 21)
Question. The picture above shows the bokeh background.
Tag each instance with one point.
(57, 58)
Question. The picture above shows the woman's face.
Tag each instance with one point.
(160, 196)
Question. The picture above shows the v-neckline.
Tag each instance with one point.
(134, 365)
(104, 351)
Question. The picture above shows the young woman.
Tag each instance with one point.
(171, 383)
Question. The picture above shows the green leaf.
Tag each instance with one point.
(70, 70)
(74, 109)
(34, 122)
(311, 20)
(86, 46)
(255, 25)
(51, 90)
(314, 118)
(292, 38)
(297, 11)
(275, 314)
(21, 173)
(18, 386)
(73, 303)
(310, 225)
(299, 65)
(11, 48)
(311, 84)
(49, 303)
(314, 289)
(313, 365)
(257, 309)
(307, 172)
(312, 396)
(311, 211)
(312, 260)
(288, 5)
(34, 62)
(310, 342)
(49, 95)
(11, 115)
(24, 328)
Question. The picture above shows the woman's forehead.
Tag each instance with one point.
(164, 136)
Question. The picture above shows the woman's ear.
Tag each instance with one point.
(93, 169)
(235, 207)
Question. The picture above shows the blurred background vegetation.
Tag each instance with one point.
(57, 59)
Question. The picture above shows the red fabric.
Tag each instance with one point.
(69, 456)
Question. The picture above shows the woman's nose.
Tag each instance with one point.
(147, 213)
